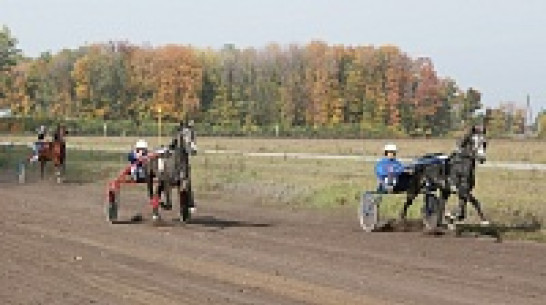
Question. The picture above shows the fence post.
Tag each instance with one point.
(22, 172)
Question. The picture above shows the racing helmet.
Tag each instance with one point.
(141, 144)
(390, 148)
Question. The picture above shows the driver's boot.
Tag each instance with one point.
(155, 214)
(155, 208)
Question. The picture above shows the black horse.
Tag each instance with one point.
(462, 170)
(172, 168)
(437, 173)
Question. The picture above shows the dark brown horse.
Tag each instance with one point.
(54, 151)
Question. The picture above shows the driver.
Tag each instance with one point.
(38, 144)
(388, 169)
(140, 150)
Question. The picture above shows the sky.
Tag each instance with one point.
(495, 46)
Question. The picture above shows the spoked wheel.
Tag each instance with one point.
(113, 207)
(368, 212)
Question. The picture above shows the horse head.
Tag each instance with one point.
(474, 143)
(60, 132)
(184, 139)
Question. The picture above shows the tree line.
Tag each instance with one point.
(309, 86)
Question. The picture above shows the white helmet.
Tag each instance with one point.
(141, 144)
(390, 147)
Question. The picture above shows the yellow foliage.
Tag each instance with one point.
(541, 122)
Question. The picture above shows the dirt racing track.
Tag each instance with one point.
(57, 248)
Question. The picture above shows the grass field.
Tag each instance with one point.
(508, 197)
(533, 151)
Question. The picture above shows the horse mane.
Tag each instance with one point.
(467, 137)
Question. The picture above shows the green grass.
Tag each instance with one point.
(532, 150)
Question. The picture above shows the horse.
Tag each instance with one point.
(462, 170)
(54, 151)
(172, 168)
(447, 174)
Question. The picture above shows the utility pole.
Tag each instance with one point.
(539, 120)
(528, 117)
(159, 126)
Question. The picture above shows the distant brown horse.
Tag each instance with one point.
(54, 151)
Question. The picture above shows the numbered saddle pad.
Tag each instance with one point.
(368, 212)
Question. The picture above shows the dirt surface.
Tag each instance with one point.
(57, 248)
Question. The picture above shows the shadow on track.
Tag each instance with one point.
(203, 221)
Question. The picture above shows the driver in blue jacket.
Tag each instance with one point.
(388, 169)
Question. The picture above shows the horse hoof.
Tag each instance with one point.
(184, 219)
(193, 210)
(156, 217)
(166, 206)
(137, 218)
(434, 231)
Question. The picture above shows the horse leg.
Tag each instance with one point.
(477, 206)
(461, 215)
(58, 172)
(409, 201)
(150, 184)
(463, 192)
(62, 165)
(191, 199)
(161, 189)
(412, 187)
(184, 200)
(167, 191)
(444, 196)
(42, 169)
(154, 199)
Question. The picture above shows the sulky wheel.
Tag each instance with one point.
(368, 212)
(112, 208)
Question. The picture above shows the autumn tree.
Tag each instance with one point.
(541, 124)
(380, 91)
(9, 56)
(178, 78)
(471, 103)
